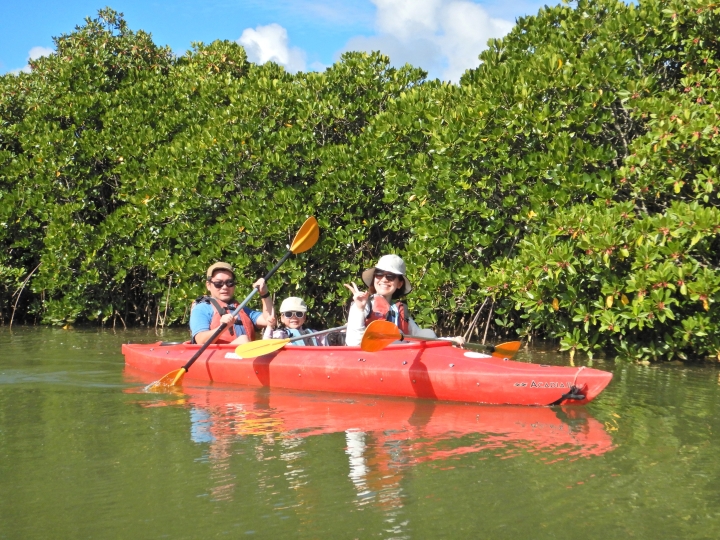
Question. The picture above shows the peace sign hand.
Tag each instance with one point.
(359, 297)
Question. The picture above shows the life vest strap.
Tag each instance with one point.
(222, 311)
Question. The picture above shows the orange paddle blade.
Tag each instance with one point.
(306, 237)
(378, 335)
(166, 383)
(507, 349)
(253, 349)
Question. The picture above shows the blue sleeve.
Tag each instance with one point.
(200, 318)
(254, 315)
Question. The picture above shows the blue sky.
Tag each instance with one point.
(442, 36)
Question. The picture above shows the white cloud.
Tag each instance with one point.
(444, 37)
(318, 66)
(38, 52)
(33, 54)
(270, 43)
(407, 19)
(467, 28)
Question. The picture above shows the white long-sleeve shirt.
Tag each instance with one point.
(356, 325)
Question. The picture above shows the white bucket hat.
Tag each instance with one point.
(293, 303)
(388, 263)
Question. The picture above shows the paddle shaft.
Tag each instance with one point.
(223, 326)
(320, 333)
(475, 346)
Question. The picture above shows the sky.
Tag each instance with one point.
(444, 37)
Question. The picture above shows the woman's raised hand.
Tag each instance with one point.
(359, 297)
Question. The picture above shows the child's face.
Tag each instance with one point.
(295, 320)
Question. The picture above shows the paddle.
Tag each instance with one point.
(304, 240)
(266, 346)
(380, 334)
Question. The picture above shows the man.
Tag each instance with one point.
(209, 312)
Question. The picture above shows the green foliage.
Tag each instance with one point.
(632, 269)
(564, 189)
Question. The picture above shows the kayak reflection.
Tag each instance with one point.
(383, 436)
(219, 412)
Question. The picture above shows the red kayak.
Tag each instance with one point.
(430, 370)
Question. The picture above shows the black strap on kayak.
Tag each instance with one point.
(574, 393)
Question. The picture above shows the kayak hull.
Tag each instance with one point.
(429, 370)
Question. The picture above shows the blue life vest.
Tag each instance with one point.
(294, 332)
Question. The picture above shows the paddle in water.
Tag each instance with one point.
(380, 334)
(254, 349)
(305, 238)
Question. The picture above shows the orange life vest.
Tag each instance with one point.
(221, 308)
(380, 311)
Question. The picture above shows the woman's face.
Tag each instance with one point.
(386, 283)
(295, 320)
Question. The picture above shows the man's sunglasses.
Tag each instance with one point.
(290, 314)
(386, 275)
(219, 283)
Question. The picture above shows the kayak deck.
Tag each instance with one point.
(430, 370)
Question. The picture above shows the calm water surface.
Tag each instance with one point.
(84, 453)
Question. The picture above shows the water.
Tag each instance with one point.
(84, 453)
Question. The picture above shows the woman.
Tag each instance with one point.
(293, 315)
(386, 283)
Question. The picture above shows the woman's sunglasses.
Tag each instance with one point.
(291, 314)
(219, 283)
(386, 275)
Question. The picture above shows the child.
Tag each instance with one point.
(293, 315)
